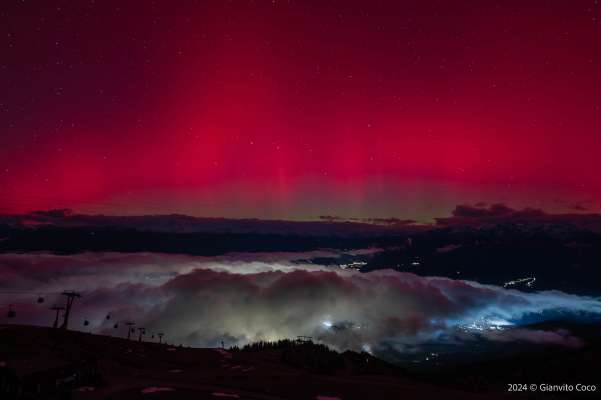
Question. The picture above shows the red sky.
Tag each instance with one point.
(294, 109)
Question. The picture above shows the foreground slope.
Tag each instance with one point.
(41, 363)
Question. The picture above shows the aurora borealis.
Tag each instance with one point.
(295, 109)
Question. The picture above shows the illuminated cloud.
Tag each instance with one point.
(238, 298)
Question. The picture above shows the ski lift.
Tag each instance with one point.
(11, 313)
(86, 322)
(41, 299)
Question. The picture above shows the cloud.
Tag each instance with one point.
(479, 215)
(557, 337)
(494, 210)
(448, 248)
(238, 298)
(373, 221)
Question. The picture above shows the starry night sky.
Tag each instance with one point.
(294, 109)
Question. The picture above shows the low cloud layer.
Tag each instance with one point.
(238, 298)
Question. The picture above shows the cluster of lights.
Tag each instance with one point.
(354, 265)
(341, 325)
(486, 324)
(529, 282)
(327, 324)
